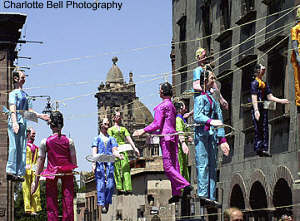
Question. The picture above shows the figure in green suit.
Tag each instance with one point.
(183, 149)
(122, 167)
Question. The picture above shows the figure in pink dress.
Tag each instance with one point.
(61, 159)
(165, 123)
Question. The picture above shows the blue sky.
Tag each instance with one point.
(76, 33)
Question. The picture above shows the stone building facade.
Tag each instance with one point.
(10, 26)
(237, 34)
(151, 188)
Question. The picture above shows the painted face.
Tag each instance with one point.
(183, 109)
(211, 79)
(32, 135)
(202, 56)
(262, 71)
(118, 117)
(160, 91)
(236, 216)
(105, 123)
(22, 78)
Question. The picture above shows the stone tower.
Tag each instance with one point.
(117, 94)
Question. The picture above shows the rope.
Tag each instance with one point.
(159, 45)
(59, 174)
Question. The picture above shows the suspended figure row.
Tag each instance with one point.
(110, 159)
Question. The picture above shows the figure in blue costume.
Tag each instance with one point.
(260, 92)
(104, 171)
(18, 103)
(208, 115)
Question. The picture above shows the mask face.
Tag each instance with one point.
(298, 14)
(57, 120)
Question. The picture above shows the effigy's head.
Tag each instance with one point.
(200, 53)
(166, 89)
(56, 120)
(298, 14)
(259, 69)
(180, 107)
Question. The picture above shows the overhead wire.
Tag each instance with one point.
(217, 66)
(72, 98)
(220, 214)
(75, 97)
(160, 45)
(164, 73)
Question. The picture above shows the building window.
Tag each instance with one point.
(183, 52)
(277, 65)
(247, 6)
(182, 39)
(247, 47)
(225, 55)
(119, 215)
(225, 15)
(150, 200)
(207, 25)
(183, 79)
(276, 71)
(245, 112)
(226, 91)
(274, 7)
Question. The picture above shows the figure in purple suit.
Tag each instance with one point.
(165, 123)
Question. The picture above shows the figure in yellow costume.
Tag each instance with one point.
(122, 167)
(295, 59)
(32, 203)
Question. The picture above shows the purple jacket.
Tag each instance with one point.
(164, 120)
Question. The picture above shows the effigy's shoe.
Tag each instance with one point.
(120, 192)
(128, 193)
(20, 179)
(263, 153)
(12, 177)
(104, 210)
(210, 203)
(107, 207)
(187, 190)
(174, 199)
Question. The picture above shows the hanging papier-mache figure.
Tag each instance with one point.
(183, 149)
(209, 133)
(295, 58)
(19, 103)
(260, 93)
(32, 203)
(105, 145)
(61, 154)
(165, 124)
(122, 167)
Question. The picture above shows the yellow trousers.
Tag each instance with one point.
(297, 78)
(32, 203)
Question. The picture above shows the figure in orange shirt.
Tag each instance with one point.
(295, 58)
